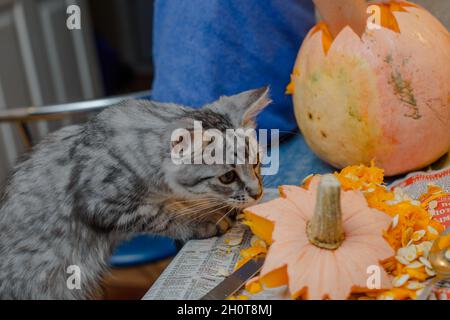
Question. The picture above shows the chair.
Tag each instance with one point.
(139, 250)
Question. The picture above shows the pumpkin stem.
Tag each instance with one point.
(325, 229)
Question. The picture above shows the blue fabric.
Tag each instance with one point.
(142, 249)
(297, 161)
(207, 48)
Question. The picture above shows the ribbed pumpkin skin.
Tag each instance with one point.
(384, 96)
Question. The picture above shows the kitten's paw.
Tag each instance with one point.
(224, 225)
(216, 225)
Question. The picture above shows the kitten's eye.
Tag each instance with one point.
(228, 177)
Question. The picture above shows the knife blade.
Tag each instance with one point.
(236, 280)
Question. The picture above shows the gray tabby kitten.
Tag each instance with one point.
(88, 187)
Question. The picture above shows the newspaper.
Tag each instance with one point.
(416, 184)
(202, 264)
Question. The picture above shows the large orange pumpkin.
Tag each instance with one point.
(384, 96)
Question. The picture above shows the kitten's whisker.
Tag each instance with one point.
(196, 208)
(188, 208)
(201, 209)
(182, 207)
(197, 204)
(223, 217)
(192, 200)
(200, 216)
(209, 212)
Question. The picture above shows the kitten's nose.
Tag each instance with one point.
(254, 193)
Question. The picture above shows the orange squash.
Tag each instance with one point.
(383, 96)
(323, 240)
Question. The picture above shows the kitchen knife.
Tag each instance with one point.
(236, 280)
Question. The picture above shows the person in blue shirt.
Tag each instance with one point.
(207, 48)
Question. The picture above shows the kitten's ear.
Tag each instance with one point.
(257, 100)
(243, 108)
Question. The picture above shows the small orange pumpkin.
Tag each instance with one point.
(323, 240)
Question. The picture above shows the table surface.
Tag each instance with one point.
(296, 161)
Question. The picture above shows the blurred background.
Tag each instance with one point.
(43, 63)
